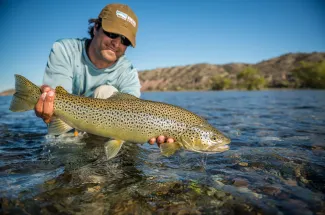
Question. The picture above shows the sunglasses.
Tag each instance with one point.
(124, 40)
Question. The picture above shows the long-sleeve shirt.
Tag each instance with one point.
(69, 66)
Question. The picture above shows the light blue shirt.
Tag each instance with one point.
(69, 66)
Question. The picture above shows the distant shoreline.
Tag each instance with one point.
(278, 73)
(4, 93)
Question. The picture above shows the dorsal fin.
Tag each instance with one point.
(61, 90)
(119, 95)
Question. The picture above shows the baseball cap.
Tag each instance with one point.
(120, 19)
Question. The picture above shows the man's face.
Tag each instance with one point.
(107, 48)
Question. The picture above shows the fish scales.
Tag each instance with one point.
(135, 120)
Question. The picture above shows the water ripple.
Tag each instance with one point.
(276, 164)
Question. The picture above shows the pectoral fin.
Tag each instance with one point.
(57, 126)
(112, 147)
(168, 149)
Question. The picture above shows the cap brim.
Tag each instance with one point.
(114, 27)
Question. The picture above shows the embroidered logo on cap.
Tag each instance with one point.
(126, 17)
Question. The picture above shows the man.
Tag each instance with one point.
(95, 67)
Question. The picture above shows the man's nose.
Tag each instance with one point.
(116, 41)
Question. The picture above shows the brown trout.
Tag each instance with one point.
(123, 117)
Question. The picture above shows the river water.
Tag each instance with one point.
(275, 165)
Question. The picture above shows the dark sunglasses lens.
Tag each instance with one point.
(125, 41)
(111, 35)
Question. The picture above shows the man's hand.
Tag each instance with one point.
(44, 107)
(160, 139)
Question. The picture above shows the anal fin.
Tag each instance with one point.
(112, 147)
(57, 127)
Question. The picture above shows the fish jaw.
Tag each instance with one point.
(211, 150)
(217, 149)
(220, 146)
(213, 147)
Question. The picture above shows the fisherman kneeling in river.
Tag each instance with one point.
(95, 67)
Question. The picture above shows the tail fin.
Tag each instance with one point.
(26, 95)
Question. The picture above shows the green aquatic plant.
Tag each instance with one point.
(194, 185)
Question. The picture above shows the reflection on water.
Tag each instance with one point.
(275, 165)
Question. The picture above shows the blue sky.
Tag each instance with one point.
(171, 33)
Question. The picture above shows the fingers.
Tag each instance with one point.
(160, 140)
(45, 88)
(152, 141)
(39, 105)
(48, 106)
(170, 140)
(44, 106)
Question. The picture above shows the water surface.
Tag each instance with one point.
(275, 165)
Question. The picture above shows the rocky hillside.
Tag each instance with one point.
(276, 71)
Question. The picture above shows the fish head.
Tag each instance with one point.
(204, 139)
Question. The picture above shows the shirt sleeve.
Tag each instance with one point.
(130, 83)
(58, 71)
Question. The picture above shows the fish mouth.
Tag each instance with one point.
(216, 149)
(219, 147)
(210, 150)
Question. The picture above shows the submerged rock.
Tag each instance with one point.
(240, 182)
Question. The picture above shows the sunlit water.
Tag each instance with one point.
(275, 165)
